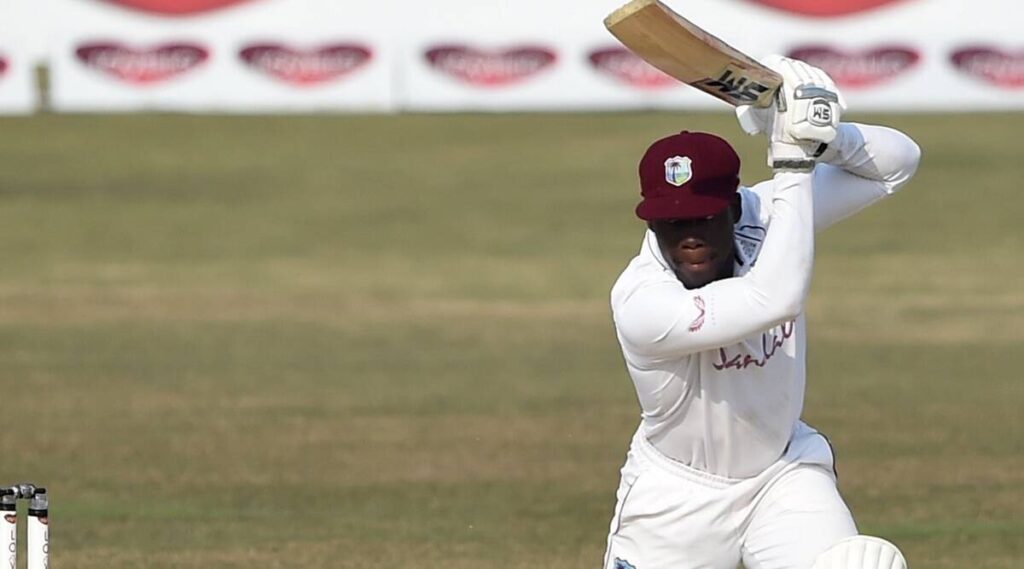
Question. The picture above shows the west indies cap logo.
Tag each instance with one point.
(678, 170)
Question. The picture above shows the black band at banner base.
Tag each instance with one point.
(38, 513)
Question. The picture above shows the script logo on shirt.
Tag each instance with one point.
(771, 341)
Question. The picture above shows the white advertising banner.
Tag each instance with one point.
(529, 55)
(909, 55)
(17, 80)
(507, 55)
(220, 55)
(22, 48)
(28, 24)
(904, 55)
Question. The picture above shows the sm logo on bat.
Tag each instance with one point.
(734, 87)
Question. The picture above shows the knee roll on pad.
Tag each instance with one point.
(861, 552)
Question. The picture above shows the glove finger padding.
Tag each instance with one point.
(753, 120)
(805, 118)
(813, 104)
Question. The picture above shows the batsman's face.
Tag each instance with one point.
(700, 251)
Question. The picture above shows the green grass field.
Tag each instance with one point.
(385, 341)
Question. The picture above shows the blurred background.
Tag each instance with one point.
(321, 283)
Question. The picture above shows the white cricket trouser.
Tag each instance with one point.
(670, 516)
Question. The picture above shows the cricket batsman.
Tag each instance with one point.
(709, 315)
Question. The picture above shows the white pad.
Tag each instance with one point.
(861, 552)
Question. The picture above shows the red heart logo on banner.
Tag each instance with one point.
(629, 68)
(824, 9)
(3, 65)
(1000, 68)
(142, 66)
(490, 68)
(862, 69)
(306, 67)
(176, 7)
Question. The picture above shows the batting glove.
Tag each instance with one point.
(804, 120)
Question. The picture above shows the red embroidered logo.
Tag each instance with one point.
(771, 341)
(698, 322)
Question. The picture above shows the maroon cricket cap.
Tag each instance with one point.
(687, 175)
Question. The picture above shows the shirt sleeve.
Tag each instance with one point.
(663, 319)
(863, 165)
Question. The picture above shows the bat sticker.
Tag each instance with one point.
(734, 86)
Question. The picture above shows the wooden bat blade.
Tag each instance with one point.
(683, 50)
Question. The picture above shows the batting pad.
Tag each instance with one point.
(861, 552)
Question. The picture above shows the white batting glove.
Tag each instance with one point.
(805, 118)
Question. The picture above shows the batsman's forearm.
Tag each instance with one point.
(782, 276)
(862, 166)
(875, 152)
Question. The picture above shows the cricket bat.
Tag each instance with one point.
(683, 50)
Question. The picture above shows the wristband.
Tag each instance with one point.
(794, 165)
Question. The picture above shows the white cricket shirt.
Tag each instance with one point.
(720, 370)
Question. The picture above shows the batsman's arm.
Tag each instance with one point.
(863, 165)
(661, 319)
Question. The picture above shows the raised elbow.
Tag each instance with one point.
(789, 300)
(790, 309)
(913, 158)
(783, 302)
(910, 159)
